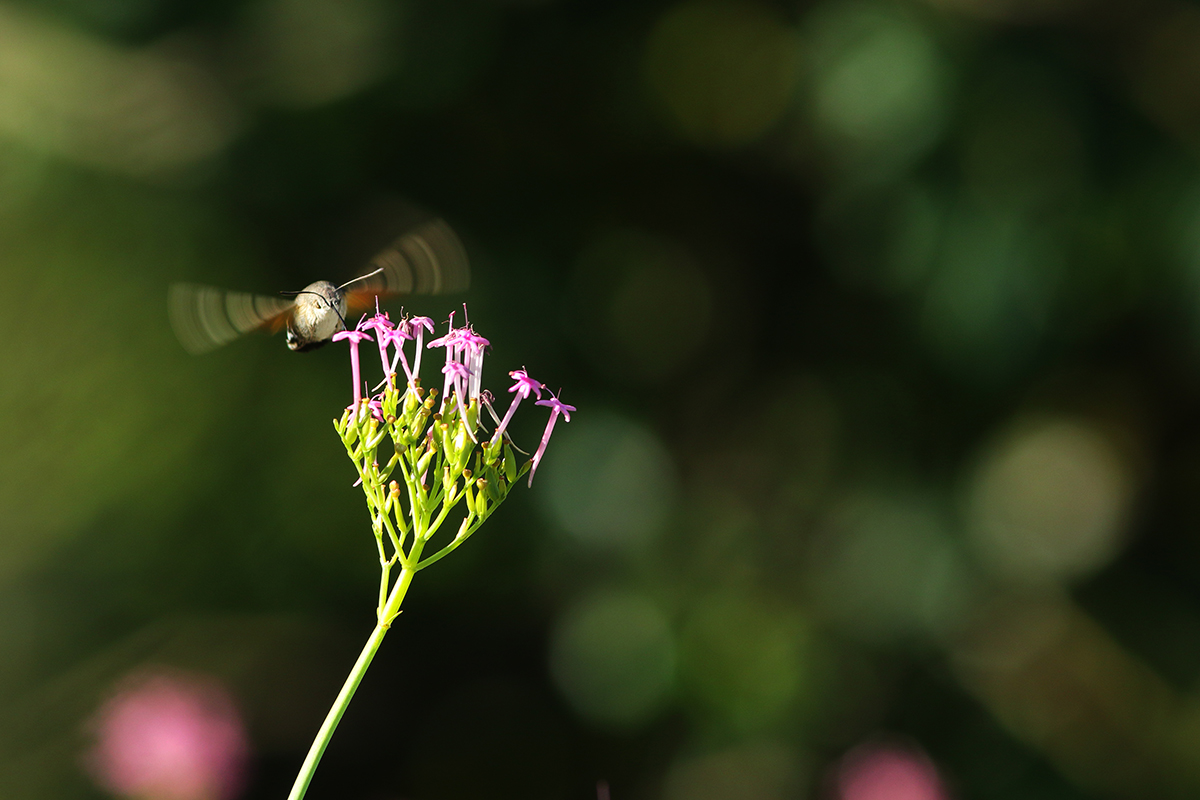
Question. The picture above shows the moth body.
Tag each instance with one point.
(319, 313)
(428, 259)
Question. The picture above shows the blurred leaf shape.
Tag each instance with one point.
(725, 71)
(1060, 682)
(613, 658)
(306, 53)
(145, 112)
(86, 400)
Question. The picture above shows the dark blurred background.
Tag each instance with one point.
(883, 324)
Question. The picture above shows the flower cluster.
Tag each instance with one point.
(438, 452)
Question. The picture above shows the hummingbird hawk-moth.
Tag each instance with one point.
(429, 259)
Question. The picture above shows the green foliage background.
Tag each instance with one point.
(882, 323)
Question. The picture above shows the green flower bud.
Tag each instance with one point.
(510, 464)
(423, 463)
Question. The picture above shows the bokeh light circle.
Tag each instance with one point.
(725, 71)
(305, 53)
(742, 663)
(876, 771)
(170, 736)
(884, 566)
(879, 84)
(613, 658)
(612, 483)
(1050, 501)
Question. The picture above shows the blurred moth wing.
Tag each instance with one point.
(429, 259)
(205, 317)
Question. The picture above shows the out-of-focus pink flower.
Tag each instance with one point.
(169, 736)
(877, 771)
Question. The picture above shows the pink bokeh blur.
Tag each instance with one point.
(876, 771)
(167, 735)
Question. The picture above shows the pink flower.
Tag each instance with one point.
(462, 374)
(472, 345)
(888, 772)
(170, 736)
(464, 348)
(448, 341)
(556, 407)
(397, 338)
(383, 336)
(523, 386)
(375, 404)
(354, 337)
(417, 327)
(455, 373)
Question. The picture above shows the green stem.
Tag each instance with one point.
(350, 686)
(462, 536)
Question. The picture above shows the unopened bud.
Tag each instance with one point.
(394, 488)
(510, 464)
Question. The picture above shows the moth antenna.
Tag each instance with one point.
(360, 278)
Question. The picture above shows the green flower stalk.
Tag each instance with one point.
(423, 466)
